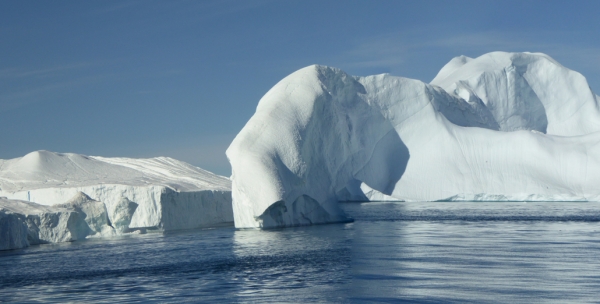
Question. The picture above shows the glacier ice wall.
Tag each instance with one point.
(93, 212)
(41, 224)
(122, 213)
(169, 194)
(509, 124)
(13, 231)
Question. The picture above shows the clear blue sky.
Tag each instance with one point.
(181, 78)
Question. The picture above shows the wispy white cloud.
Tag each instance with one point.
(223, 7)
(38, 93)
(25, 86)
(19, 72)
(119, 6)
(400, 49)
(202, 10)
(35, 85)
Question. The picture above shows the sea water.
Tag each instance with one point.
(419, 252)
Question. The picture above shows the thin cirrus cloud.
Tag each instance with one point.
(201, 10)
(28, 86)
(14, 72)
(399, 51)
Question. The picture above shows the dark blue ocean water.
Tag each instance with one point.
(414, 252)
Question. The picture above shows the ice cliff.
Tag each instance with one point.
(503, 126)
(25, 223)
(117, 195)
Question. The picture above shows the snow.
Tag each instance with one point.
(526, 91)
(45, 169)
(503, 126)
(169, 194)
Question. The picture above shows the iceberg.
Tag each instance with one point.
(25, 223)
(525, 91)
(13, 230)
(122, 214)
(93, 212)
(125, 194)
(501, 126)
(373, 195)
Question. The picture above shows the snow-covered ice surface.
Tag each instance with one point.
(44, 169)
(525, 91)
(167, 193)
(504, 126)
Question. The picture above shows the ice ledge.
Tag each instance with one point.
(522, 197)
(303, 211)
(376, 196)
(24, 223)
(157, 206)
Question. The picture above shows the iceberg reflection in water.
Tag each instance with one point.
(420, 252)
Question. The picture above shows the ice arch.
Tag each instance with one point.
(319, 132)
(476, 132)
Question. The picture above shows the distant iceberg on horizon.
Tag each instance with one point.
(503, 126)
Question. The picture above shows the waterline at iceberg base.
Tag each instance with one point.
(503, 125)
(413, 252)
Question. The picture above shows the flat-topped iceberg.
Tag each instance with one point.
(505, 124)
(159, 192)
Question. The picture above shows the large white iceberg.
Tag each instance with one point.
(504, 125)
(160, 192)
